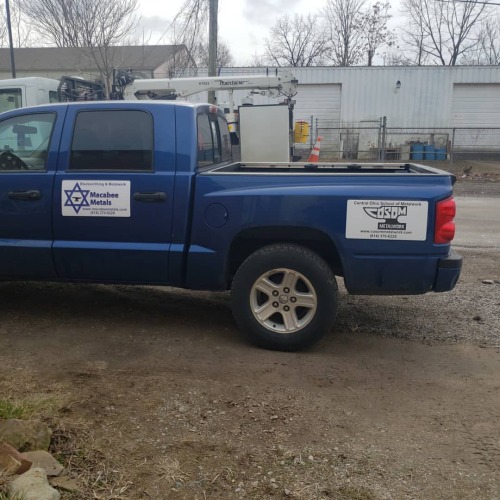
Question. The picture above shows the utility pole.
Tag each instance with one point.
(212, 45)
(11, 44)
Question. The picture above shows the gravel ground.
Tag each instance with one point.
(470, 313)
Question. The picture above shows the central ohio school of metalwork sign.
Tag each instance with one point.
(386, 220)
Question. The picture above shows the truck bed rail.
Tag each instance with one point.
(325, 168)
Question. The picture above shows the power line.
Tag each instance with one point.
(468, 1)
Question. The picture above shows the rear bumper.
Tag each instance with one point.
(448, 272)
(401, 275)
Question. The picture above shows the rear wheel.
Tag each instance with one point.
(284, 297)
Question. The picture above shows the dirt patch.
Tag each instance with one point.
(160, 397)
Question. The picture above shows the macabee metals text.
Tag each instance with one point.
(97, 198)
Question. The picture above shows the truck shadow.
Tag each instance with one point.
(152, 311)
(32, 305)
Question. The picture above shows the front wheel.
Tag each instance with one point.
(284, 297)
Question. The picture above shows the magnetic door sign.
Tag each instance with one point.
(95, 198)
(386, 220)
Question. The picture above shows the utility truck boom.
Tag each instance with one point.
(22, 92)
(284, 84)
(171, 88)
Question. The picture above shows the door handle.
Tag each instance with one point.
(30, 195)
(150, 197)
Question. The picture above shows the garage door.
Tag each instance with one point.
(476, 105)
(319, 101)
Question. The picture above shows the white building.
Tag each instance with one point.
(339, 100)
(427, 96)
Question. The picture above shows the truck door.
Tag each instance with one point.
(27, 166)
(113, 194)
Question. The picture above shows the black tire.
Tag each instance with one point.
(260, 297)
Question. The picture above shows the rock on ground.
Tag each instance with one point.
(44, 460)
(11, 461)
(33, 485)
(25, 435)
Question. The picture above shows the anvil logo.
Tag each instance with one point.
(389, 215)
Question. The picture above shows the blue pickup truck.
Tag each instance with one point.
(147, 193)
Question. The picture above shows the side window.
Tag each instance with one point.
(10, 99)
(205, 142)
(112, 140)
(24, 141)
(53, 96)
(214, 141)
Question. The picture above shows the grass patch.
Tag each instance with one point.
(13, 409)
(40, 407)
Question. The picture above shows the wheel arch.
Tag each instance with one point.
(250, 240)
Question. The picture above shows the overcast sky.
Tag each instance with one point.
(243, 24)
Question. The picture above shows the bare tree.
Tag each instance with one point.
(258, 60)
(94, 25)
(345, 31)
(21, 34)
(182, 63)
(413, 53)
(375, 30)
(191, 22)
(487, 50)
(189, 28)
(81, 23)
(443, 30)
(297, 41)
(224, 56)
(3, 25)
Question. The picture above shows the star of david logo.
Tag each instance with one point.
(76, 198)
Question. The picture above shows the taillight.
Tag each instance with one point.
(444, 230)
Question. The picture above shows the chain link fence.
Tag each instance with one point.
(376, 141)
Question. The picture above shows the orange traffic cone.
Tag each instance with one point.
(314, 156)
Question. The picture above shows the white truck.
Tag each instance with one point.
(31, 91)
(34, 90)
(22, 92)
(276, 138)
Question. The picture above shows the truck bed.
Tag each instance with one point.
(326, 168)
